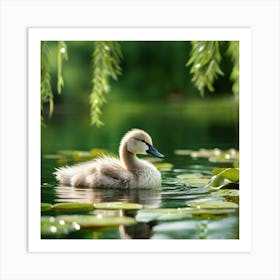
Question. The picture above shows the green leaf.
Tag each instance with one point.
(163, 166)
(210, 204)
(231, 174)
(216, 182)
(46, 206)
(225, 192)
(193, 179)
(117, 206)
(168, 214)
(90, 221)
(53, 227)
(183, 152)
(73, 206)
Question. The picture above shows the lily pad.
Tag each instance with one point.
(52, 227)
(90, 221)
(46, 206)
(147, 215)
(212, 204)
(193, 179)
(163, 166)
(73, 206)
(67, 153)
(216, 182)
(206, 153)
(232, 174)
(81, 155)
(117, 206)
(169, 214)
(183, 152)
(226, 192)
(97, 152)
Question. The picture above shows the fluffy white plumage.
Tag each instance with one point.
(109, 172)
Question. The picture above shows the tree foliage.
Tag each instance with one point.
(46, 88)
(106, 64)
(205, 61)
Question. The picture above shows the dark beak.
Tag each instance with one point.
(154, 152)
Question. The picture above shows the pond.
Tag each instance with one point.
(196, 137)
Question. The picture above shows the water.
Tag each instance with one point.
(170, 130)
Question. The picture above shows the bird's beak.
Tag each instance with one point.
(154, 152)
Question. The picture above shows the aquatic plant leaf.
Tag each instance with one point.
(232, 174)
(52, 156)
(226, 192)
(73, 206)
(147, 215)
(183, 152)
(97, 152)
(46, 206)
(91, 221)
(212, 204)
(67, 153)
(193, 179)
(53, 227)
(216, 182)
(81, 155)
(163, 166)
(169, 214)
(205, 153)
(117, 206)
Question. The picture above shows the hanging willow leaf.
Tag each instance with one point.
(233, 51)
(62, 54)
(46, 88)
(106, 64)
(205, 64)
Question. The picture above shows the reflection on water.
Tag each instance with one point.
(210, 127)
(149, 198)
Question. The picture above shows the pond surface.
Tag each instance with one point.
(170, 212)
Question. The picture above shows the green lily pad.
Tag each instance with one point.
(46, 206)
(163, 166)
(117, 206)
(52, 156)
(212, 204)
(193, 179)
(216, 182)
(226, 192)
(206, 153)
(169, 214)
(147, 215)
(67, 153)
(183, 152)
(81, 155)
(73, 206)
(217, 155)
(90, 221)
(52, 227)
(232, 174)
(97, 152)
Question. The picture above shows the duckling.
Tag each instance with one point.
(108, 172)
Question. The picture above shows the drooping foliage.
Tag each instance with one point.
(106, 64)
(205, 62)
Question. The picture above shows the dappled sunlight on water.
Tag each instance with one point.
(182, 208)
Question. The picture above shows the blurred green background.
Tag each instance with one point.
(154, 92)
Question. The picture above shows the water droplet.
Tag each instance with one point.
(53, 229)
(61, 222)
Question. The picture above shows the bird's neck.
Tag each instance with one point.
(129, 160)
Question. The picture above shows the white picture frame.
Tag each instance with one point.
(259, 261)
